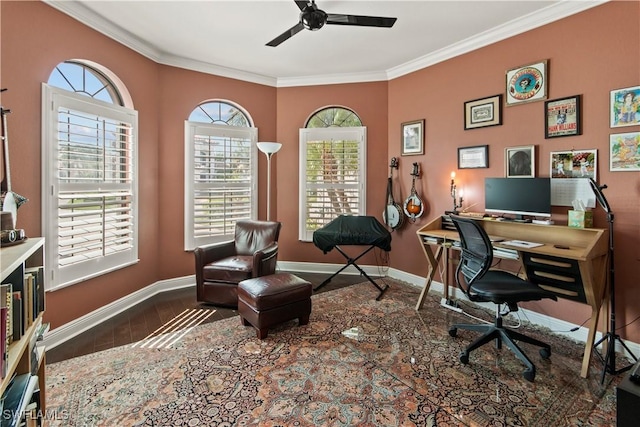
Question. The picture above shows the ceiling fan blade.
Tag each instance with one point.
(286, 35)
(364, 21)
(302, 4)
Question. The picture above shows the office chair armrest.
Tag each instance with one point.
(469, 273)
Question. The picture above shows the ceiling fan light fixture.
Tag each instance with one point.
(313, 19)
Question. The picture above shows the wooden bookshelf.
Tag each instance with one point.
(14, 260)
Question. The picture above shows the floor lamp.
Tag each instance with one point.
(269, 148)
(610, 338)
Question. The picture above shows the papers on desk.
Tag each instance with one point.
(521, 243)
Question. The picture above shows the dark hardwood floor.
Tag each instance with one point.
(142, 320)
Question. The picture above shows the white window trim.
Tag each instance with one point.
(190, 130)
(52, 98)
(335, 133)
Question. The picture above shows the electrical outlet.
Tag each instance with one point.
(449, 305)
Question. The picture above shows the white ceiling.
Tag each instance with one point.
(228, 37)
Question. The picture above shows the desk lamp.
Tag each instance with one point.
(269, 149)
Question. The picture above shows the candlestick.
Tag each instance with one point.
(453, 190)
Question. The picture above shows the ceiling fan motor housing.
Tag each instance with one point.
(313, 19)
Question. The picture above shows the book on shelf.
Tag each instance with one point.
(42, 329)
(4, 347)
(6, 298)
(6, 328)
(28, 301)
(16, 317)
(37, 285)
(36, 347)
(16, 399)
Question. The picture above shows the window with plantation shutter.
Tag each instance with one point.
(90, 191)
(332, 176)
(220, 184)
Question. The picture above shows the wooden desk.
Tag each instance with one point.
(578, 273)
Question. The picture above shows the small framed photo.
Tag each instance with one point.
(624, 152)
(562, 117)
(574, 164)
(527, 83)
(473, 157)
(412, 138)
(483, 112)
(625, 107)
(520, 162)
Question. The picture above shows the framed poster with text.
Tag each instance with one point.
(562, 117)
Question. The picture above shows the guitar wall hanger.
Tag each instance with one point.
(413, 205)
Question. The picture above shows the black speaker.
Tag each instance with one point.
(628, 400)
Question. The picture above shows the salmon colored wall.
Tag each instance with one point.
(180, 92)
(35, 38)
(164, 97)
(295, 105)
(591, 54)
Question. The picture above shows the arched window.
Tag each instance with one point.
(90, 164)
(221, 172)
(221, 113)
(333, 168)
(333, 117)
(75, 76)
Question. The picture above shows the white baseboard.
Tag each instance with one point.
(69, 330)
(59, 335)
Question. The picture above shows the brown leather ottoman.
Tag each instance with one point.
(268, 300)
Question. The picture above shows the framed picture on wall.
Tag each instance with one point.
(473, 157)
(574, 164)
(520, 162)
(412, 137)
(562, 117)
(527, 83)
(483, 112)
(625, 107)
(624, 152)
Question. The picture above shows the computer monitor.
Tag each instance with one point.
(518, 196)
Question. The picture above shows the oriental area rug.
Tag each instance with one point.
(359, 362)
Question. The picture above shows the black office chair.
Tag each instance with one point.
(479, 283)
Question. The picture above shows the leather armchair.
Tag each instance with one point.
(221, 266)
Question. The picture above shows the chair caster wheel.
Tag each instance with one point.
(453, 331)
(545, 353)
(529, 374)
(464, 357)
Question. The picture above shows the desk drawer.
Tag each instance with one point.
(559, 275)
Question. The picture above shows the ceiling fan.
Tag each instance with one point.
(313, 19)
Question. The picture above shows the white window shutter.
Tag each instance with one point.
(220, 184)
(90, 169)
(332, 176)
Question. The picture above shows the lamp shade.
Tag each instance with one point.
(269, 147)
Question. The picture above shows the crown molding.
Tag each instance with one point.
(330, 79)
(217, 70)
(555, 12)
(81, 13)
